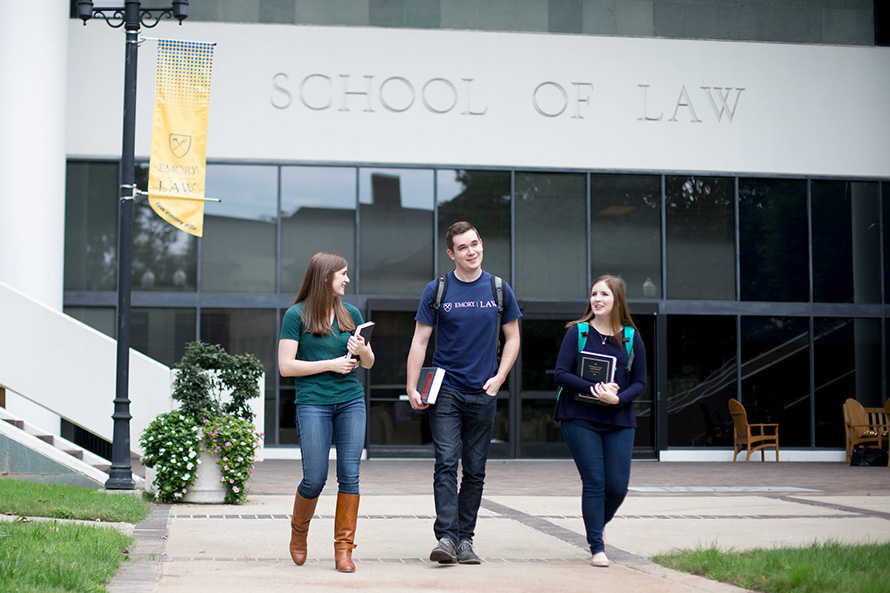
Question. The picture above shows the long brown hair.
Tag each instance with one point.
(318, 298)
(620, 313)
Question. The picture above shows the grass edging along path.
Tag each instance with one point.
(48, 556)
(831, 567)
(60, 501)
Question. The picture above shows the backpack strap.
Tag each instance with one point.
(629, 344)
(583, 330)
(441, 287)
(497, 290)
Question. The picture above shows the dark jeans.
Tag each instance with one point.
(461, 425)
(602, 455)
(316, 425)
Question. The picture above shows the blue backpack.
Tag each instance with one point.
(583, 330)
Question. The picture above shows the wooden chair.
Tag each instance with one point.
(862, 426)
(879, 417)
(751, 437)
(887, 425)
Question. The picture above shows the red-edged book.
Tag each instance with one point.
(429, 383)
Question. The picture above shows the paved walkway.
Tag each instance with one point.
(529, 532)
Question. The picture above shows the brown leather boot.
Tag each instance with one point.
(304, 508)
(344, 531)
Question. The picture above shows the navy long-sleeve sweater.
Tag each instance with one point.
(630, 387)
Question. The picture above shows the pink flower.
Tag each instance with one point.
(228, 444)
(235, 489)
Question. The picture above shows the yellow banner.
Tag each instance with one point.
(179, 137)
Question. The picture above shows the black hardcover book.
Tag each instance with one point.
(596, 368)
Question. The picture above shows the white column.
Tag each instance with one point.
(33, 71)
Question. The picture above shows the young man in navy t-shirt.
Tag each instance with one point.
(462, 419)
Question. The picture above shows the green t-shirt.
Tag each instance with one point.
(327, 387)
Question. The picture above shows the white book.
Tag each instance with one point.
(364, 330)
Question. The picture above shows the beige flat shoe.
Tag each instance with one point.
(599, 560)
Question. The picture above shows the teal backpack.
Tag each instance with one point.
(583, 330)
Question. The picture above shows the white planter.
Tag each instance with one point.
(208, 487)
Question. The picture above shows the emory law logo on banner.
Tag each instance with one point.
(179, 137)
(180, 145)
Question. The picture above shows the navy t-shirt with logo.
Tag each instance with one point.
(467, 342)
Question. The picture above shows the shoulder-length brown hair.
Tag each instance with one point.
(620, 313)
(318, 298)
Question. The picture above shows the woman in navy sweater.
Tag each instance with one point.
(600, 431)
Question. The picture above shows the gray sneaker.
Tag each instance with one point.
(465, 553)
(444, 552)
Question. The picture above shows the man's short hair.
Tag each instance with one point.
(459, 228)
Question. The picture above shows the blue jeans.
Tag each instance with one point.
(461, 425)
(317, 425)
(602, 455)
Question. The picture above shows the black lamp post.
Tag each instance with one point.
(131, 17)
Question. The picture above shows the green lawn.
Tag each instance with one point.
(59, 501)
(39, 556)
(819, 568)
(49, 557)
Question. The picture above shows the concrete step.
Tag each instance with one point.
(89, 465)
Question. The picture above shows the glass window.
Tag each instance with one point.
(625, 231)
(847, 364)
(541, 340)
(392, 421)
(846, 242)
(247, 331)
(885, 201)
(700, 238)
(551, 235)
(91, 199)
(103, 319)
(395, 422)
(538, 426)
(776, 376)
(773, 240)
(162, 334)
(566, 16)
(317, 214)
(481, 198)
(286, 410)
(701, 379)
(238, 247)
(165, 258)
(396, 224)
(644, 439)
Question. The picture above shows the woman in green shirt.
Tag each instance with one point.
(316, 336)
